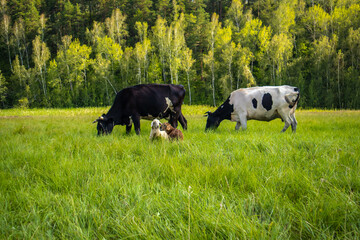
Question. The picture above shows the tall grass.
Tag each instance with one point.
(59, 180)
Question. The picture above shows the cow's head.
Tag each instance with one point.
(104, 125)
(213, 121)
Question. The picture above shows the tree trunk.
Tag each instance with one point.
(230, 76)
(213, 83)
(163, 69)
(171, 74)
(20, 54)
(188, 79)
(139, 72)
(338, 82)
(8, 46)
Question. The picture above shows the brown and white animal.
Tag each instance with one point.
(259, 103)
(155, 132)
(174, 134)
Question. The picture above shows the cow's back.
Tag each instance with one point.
(154, 94)
(146, 99)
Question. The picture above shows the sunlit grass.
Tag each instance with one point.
(59, 180)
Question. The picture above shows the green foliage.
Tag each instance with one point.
(284, 18)
(279, 52)
(79, 53)
(316, 21)
(116, 26)
(59, 180)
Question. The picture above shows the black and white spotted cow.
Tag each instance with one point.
(144, 101)
(258, 103)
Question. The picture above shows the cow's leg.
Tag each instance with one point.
(128, 128)
(287, 124)
(238, 125)
(293, 123)
(243, 121)
(183, 121)
(175, 116)
(173, 120)
(287, 121)
(128, 124)
(136, 121)
(285, 116)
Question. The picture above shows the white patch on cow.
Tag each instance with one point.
(169, 105)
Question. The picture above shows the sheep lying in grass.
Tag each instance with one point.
(155, 132)
(174, 134)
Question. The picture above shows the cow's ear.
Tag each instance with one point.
(103, 117)
(208, 113)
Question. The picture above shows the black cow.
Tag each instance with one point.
(144, 101)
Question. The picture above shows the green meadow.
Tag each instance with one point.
(58, 180)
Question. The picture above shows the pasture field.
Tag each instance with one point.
(58, 180)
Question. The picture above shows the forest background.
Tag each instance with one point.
(62, 53)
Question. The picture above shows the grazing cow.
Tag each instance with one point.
(144, 101)
(173, 133)
(155, 132)
(259, 103)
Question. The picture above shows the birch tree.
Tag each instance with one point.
(187, 63)
(108, 53)
(236, 13)
(42, 26)
(125, 65)
(236, 16)
(280, 50)
(177, 43)
(242, 59)
(79, 61)
(226, 49)
(209, 59)
(20, 73)
(159, 38)
(353, 41)
(95, 33)
(283, 18)
(116, 27)
(339, 66)
(41, 54)
(64, 61)
(19, 33)
(324, 52)
(142, 50)
(6, 35)
(316, 20)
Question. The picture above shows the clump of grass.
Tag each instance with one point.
(59, 180)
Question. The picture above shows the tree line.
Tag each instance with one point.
(74, 53)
